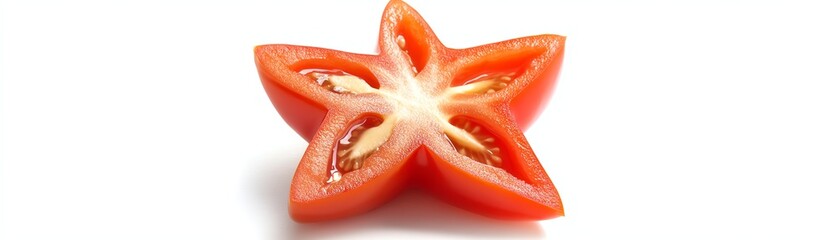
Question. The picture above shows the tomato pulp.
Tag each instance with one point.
(449, 121)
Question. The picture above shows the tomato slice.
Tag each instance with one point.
(449, 121)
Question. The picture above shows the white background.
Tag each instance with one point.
(146, 119)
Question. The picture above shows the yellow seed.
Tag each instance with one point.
(491, 91)
(400, 41)
(476, 129)
(502, 84)
(495, 149)
(356, 165)
(336, 176)
(495, 159)
(505, 78)
(316, 75)
(489, 140)
(462, 151)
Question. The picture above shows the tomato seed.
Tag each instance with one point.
(360, 140)
(472, 140)
(400, 41)
(485, 83)
(338, 81)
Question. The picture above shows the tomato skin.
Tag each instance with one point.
(301, 114)
(458, 188)
(529, 104)
(351, 202)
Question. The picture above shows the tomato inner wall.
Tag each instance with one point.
(415, 47)
(516, 62)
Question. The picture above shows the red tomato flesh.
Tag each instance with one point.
(449, 121)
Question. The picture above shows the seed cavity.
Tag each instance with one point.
(361, 139)
(402, 43)
(484, 84)
(338, 81)
(473, 141)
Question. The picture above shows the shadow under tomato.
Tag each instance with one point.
(415, 211)
(412, 211)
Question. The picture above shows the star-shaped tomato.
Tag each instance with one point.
(449, 121)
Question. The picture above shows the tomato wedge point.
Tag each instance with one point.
(417, 114)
